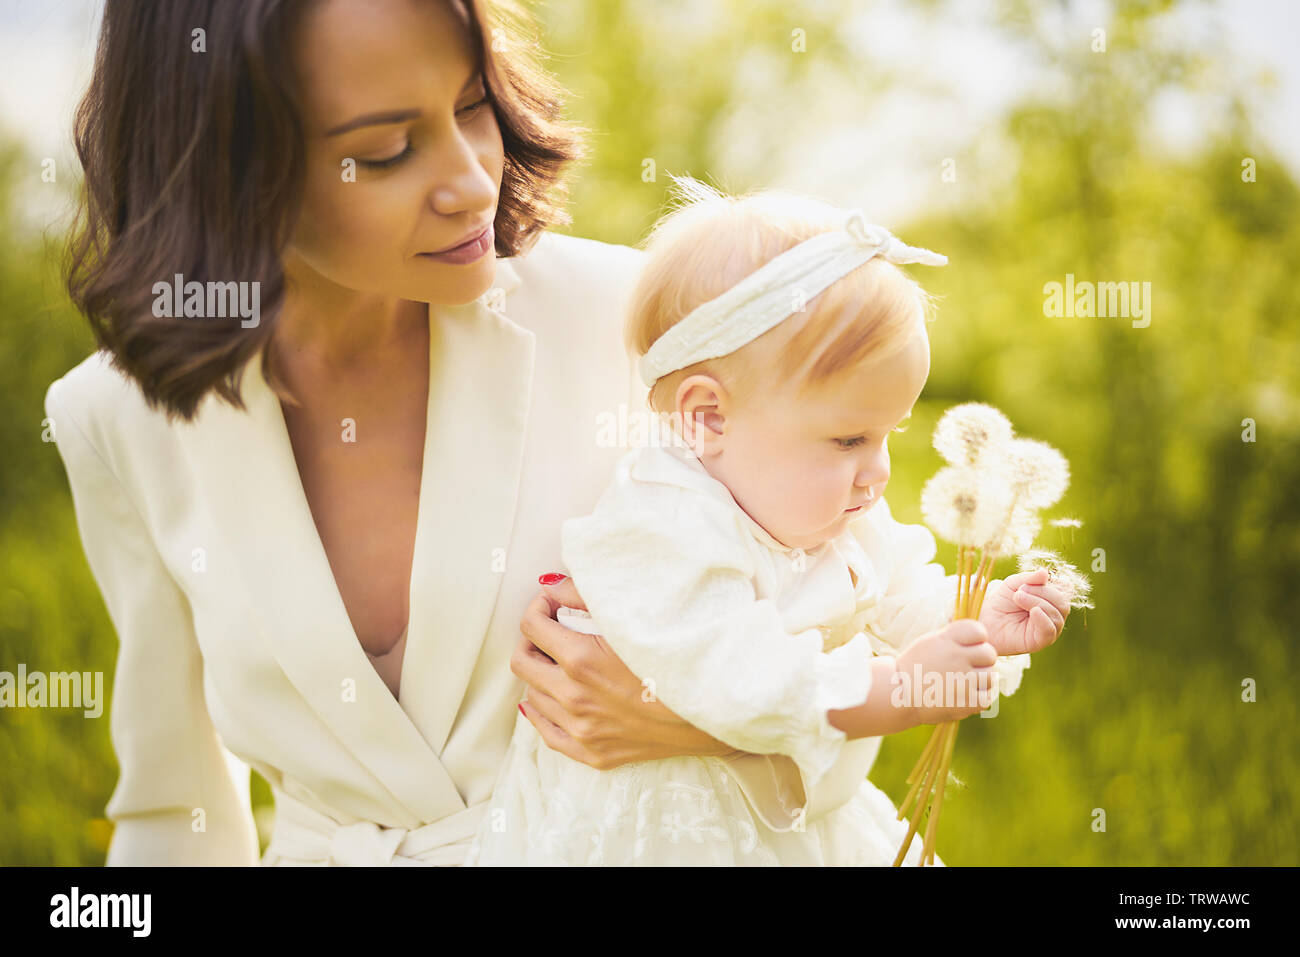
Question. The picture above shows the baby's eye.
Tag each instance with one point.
(850, 443)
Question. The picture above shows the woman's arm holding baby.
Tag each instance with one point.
(586, 703)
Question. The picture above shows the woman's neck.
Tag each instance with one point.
(329, 338)
(330, 328)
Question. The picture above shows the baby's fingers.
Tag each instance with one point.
(1032, 603)
(1037, 576)
(1054, 594)
(1045, 628)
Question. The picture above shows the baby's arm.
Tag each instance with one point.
(917, 596)
(876, 716)
(959, 650)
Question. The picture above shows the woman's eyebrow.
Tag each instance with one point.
(374, 119)
(387, 116)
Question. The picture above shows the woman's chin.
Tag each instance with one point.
(456, 286)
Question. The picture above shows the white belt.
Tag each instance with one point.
(303, 835)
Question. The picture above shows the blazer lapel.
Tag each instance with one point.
(480, 392)
(480, 385)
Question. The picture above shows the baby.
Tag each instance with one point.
(745, 564)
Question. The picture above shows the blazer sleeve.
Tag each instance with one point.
(177, 799)
(671, 590)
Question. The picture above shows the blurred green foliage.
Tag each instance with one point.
(1138, 709)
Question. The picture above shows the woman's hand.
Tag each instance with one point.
(584, 701)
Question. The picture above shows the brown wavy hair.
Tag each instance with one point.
(192, 167)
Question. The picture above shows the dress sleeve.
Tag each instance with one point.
(172, 763)
(670, 588)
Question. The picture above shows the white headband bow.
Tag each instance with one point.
(775, 291)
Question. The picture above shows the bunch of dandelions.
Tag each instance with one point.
(986, 501)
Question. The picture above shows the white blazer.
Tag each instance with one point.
(235, 648)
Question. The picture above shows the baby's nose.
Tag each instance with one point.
(873, 478)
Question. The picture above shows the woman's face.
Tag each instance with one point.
(404, 155)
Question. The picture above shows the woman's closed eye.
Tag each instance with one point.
(466, 112)
(390, 161)
(473, 108)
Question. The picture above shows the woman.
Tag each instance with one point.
(316, 518)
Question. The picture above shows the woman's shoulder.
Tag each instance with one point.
(574, 294)
(92, 392)
(94, 405)
(565, 253)
(579, 269)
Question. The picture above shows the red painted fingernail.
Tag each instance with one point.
(553, 578)
(522, 711)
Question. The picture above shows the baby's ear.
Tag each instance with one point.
(707, 427)
(715, 422)
(699, 402)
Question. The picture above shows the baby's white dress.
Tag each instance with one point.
(746, 639)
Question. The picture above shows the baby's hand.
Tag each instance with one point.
(959, 649)
(1023, 614)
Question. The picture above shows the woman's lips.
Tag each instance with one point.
(466, 252)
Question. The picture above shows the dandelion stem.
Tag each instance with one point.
(920, 762)
(961, 580)
(931, 756)
(932, 826)
(974, 586)
(982, 586)
(916, 817)
(964, 555)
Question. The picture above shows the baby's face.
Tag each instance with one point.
(800, 466)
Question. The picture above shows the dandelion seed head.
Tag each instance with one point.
(1038, 472)
(1036, 558)
(1077, 587)
(969, 431)
(1017, 535)
(964, 506)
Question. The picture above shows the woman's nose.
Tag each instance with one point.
(458, 180)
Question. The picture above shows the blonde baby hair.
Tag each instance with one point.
(710, 240)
